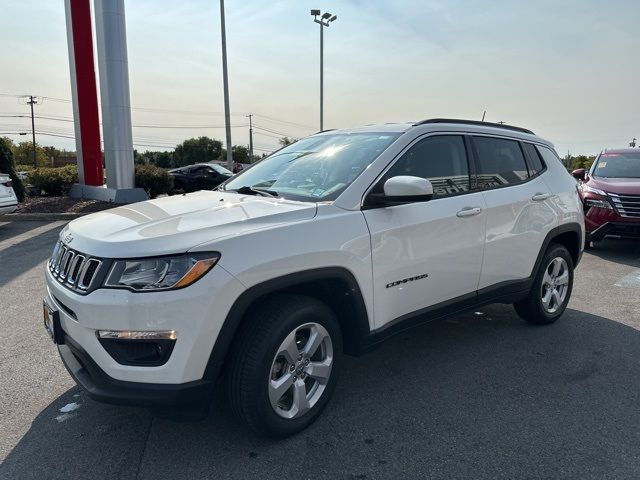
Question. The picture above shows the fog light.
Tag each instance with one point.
(141, 349)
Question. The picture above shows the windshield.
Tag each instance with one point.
(316, 168)
(618, 165)
(220, 169)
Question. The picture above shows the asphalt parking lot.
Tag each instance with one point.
(482, 395)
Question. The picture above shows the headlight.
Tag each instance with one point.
(586, 188)
(160, 273)
(592, 202)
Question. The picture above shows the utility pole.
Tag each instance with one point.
(31, 102)
(250, 139)
(324, 21)
(225, 80)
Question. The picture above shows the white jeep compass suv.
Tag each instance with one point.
(326, 247)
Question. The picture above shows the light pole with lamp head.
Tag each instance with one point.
(324, 20)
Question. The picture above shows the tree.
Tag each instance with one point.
(163, 159)
(195, 150)
(159, 159)
(7, 165)
(138, 158)
(284, 141)
(52, 152)
(582, 161)
(240, 154)
(23, 154)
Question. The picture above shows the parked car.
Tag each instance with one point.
(8, 199)
(328, 246)
(201, 176)
(611, 195)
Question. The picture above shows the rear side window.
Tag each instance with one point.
(533, 159)
(500, 162)
(440, 159)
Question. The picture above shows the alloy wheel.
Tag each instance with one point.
(300, 370)
(555, 285)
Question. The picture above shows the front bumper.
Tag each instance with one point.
(598, 220)
(196, 313)
(8, 209)
(627, 230)
(101, 387)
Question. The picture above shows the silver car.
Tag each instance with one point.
(8, 200)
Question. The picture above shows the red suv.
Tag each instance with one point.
(611, 195)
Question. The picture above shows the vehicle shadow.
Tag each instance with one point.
(626, 252)
(19, 257)
(482, 395)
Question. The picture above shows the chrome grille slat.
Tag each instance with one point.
(61, 253)
(88, 273)
(64, 263)
(73, 269)
(626, 205)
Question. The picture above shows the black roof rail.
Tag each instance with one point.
(474, 122)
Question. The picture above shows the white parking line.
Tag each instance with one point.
(631, 280)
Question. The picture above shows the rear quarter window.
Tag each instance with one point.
(534, 161)
(500, 162)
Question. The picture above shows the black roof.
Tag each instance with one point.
(474, 122)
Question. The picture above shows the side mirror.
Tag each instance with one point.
(403, 189)
(579, 174)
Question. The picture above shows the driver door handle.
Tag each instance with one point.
(468, 212)
(539, 197)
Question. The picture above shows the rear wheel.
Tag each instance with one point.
(551, 289)
(283, 365)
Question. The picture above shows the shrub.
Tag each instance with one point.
(154, 180)
(7, 166)
(54, 181)
(24, 168)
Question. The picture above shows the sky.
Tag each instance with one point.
(567, 69)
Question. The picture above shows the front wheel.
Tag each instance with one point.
(551, 288)
(283, 365)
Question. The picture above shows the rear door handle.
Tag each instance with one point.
(539, 197)
(469, 212)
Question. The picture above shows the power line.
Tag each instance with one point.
(190, 112)
(273, 131)
(284, 121)
(269, 135)
(66, 119)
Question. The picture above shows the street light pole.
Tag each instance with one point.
(321, 77)
(225, 80)
(324, 21)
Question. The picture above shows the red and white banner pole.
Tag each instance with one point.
(84, 92)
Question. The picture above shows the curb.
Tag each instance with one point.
(41, 217)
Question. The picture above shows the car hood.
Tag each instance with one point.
(621, 186)
(176, 224)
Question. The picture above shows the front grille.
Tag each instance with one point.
(73, 269)
(626, 205)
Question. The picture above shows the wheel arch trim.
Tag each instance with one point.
(357, 329)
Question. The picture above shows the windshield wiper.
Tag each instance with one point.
(247, 190)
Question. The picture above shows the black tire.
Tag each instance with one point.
(253, 353)
(532, 308)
